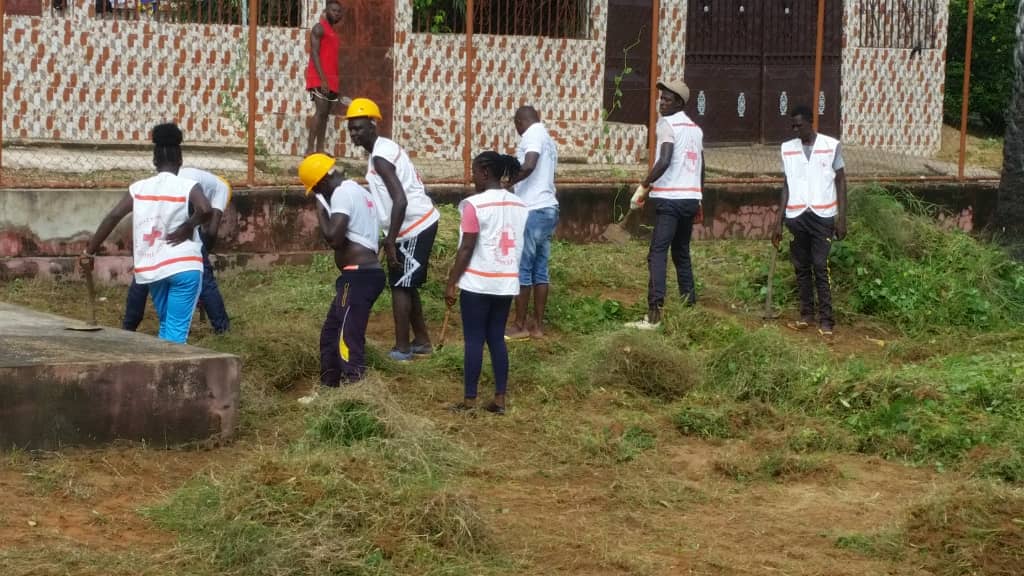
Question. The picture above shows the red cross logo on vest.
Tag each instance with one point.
(152, 236)
(506, 243)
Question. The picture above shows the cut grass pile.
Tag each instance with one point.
(364, 491)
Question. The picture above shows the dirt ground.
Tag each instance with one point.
(670, 511)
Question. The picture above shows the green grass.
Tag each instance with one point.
(363, 483)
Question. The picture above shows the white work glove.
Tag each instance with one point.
(323, 202)
(639, 197)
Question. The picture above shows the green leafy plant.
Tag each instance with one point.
(991, 65)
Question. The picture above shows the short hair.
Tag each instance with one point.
(329, 2)
(499, 165)
(803, 112)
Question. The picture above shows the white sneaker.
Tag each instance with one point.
(310, 398)
(644, 324)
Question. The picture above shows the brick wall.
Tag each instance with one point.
(561, 78)
(892, 100)
(75, 77)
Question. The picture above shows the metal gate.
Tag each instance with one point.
(749, 62)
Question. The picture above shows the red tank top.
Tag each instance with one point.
(330, 44)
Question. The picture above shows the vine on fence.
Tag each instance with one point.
(232, 109)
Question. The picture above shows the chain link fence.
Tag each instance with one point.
(85, 80)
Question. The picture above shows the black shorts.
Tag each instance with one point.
(328, 96)
(413, 259)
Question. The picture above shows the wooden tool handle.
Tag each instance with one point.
(92, 295)
(444, 326)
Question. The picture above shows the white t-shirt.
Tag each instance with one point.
(357, 203)
(420, 212)
(538, 191)
(216, 190)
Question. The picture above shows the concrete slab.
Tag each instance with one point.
(59, 387)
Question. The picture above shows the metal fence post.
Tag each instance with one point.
(964, 104)
(819, 48)
(470, 81)
(652, 120)
(3, 83)
(250, 179)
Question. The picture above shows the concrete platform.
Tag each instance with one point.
(60, 388)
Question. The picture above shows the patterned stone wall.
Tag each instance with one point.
(76, 77)
(627, 143)
(73, 76)
(892, 98)
(561, 78)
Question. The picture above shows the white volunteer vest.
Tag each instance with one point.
(812, 183)
(494, 266)
(159, 206)
(681, 181)
(420, 212)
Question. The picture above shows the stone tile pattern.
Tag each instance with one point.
(890, 100)
(557, 76)
(76, 77)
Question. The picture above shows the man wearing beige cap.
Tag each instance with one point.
(674, 183)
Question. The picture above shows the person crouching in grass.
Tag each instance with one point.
(486, 270)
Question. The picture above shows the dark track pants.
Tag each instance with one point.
(809, 250)
(343, 337)
(483, 320)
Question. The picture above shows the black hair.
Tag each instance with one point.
(803, 112)
(329, 2)
(499, 165)
(167, 144)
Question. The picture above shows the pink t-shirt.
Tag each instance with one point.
(470, 225)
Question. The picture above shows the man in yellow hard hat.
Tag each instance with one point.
(409, 220)
(348, 221)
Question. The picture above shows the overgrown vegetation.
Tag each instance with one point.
(378, 479)
(364, 491)
(991, 65)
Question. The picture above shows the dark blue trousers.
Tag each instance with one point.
(483, 321)
(209, 296)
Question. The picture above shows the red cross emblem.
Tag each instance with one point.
(151, 237)
(506, 243)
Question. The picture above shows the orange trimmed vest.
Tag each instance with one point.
(159, 206)
(812, 182)
(494, 266)
(681, 181)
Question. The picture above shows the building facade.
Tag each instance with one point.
(97, 71)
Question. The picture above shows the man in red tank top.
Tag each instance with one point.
(322, 76)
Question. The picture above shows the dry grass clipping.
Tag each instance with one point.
(977, 530)
(647, 363)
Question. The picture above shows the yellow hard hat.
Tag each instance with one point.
(363, 108)
(313, 169)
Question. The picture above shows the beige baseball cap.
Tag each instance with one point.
(676, 87)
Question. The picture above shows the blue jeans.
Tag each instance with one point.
(175, 298)
(213, 302)
(540, 227)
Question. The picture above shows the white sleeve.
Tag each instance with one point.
(664, 132)
(387, 150)
(342, 199)
(533, 141)
(219, 195)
